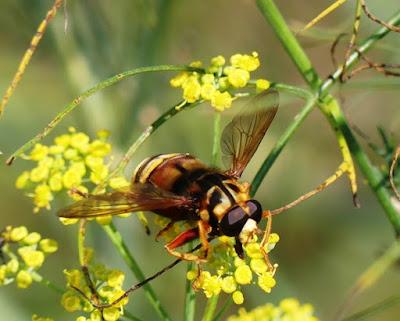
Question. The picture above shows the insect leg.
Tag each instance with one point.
(180, 240)
(265, 239)
(204, 229)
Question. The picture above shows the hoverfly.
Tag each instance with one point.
(182, 188)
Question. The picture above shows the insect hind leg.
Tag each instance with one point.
(181, 240)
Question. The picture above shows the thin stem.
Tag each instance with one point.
(216, 150)
(281, 143)
(81, 242)
(376, 308)
(226, 305)
(190, 295)
(329, 106)
(210, 308)
(29, 53)
(101, 85)
(40, 279)
(122, 249)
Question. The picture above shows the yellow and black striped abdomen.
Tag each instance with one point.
(170, 172)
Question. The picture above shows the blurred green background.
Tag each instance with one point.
(325, 242)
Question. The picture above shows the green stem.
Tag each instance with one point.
(210, 308)
(226, 305)
(190, 295)
(281, 143)
(40, 279)
(216, 150)
(372, 310)
(121, 247)
(104, 84)
(329, 106)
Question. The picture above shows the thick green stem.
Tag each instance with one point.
(210, 308)
(216, 150)
(104, 84)
(329, 106)
(122, 249)
(190, 295)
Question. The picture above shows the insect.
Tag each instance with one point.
(182, 188)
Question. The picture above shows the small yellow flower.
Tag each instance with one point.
(94, 162)
(42, 197)
(246, 62)
(118, 182)
(211, 286)
(191, 275)
(99, 174)
(32, 258)
(48, 246)
(111, 314)
(258, 266)
(12, 266)
(56, 182)
(3, 271)
(218, 61)
(223, 83)
(63, 140)
(228, 284)
(253, 250)
(71, 302)
(68, 221)
(22, 180)
(80, 141)
(56, 149)
(243, 274)
(207, 79)
(81, 318)
(39, 152)
(74, 277)
(196, 64)
(104, 220)
(266, 282)
(18, 233)
(179, 79)
(23, 279)
(99, 148)
(115, 278)
(103, 134)
(32, 238)
(238, 78)
(289, 305)
(71, 179)
(39, 174)
(238, 297)
(262, 84)
(191, 89)
(71, 154)
(207, 91)
(221, 101)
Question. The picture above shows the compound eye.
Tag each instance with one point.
(233, 221)
(255, 210)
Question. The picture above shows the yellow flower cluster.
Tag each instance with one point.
(32, 250)
(108, 284)
(289, 309)
(73, 164)
(218, 80)
(225, 271)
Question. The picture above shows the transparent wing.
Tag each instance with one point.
(244, 133)
(140, 197)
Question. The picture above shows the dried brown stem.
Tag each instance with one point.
(377, 20)
(391, 171)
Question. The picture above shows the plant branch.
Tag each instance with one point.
(104, 84)
(120, 245)
(329, 105)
